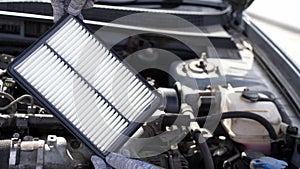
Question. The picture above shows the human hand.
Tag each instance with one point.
(73, 7)
(118, 161)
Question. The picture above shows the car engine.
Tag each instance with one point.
(33, 138)
(219, 110)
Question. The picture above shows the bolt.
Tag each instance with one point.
(16, 135)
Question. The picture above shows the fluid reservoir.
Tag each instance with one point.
(249, 132)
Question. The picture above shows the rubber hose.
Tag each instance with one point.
(278, 104)
(244, 114)
(207, 157)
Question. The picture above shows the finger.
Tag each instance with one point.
(98, 162)
(120, 162)
(89, 4)
(58, 9)
(76, 6)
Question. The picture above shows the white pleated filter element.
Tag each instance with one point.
(80, 78)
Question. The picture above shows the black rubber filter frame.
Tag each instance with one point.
(96, 96)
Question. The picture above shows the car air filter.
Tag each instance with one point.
(94, 93)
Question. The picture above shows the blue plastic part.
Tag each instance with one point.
(268, 163)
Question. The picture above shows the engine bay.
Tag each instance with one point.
(219, 110)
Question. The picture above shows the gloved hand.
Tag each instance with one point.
(118, 161)
(73, 7)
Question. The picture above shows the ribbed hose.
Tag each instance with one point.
(4, 153)
(244, 114)
(207, 157)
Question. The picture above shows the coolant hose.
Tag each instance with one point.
(207, 157)
(243, 114)
(279, 105)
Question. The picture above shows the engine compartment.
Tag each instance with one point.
(226, 79)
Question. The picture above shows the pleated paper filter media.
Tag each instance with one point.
(92, 91)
